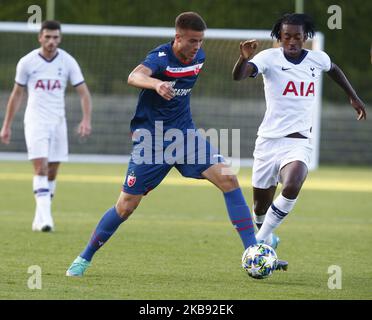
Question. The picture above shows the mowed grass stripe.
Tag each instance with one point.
(331, 184)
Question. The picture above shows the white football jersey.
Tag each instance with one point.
(46, 83)
(290, 90)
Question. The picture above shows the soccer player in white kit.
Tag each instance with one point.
(291, 82)
(45, 72)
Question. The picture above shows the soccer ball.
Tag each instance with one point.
(259, 261)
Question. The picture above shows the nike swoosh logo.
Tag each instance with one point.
(285, 69)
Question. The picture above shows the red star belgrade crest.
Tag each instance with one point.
(131, 180)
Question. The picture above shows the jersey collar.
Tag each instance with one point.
(45, 59)
(296, 60)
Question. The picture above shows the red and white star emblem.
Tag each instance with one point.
(131, 180)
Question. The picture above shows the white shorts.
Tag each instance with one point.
(271, 155)
(46, 140)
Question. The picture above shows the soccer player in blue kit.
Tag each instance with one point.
(166, 77)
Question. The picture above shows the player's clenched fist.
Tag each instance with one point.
(5, 135)
(247, 48)
(165, 90)
(359, 107)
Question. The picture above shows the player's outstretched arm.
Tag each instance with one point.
(339, 77)
(140, 77)
(14, 103)
(242, 69)
(85, 127)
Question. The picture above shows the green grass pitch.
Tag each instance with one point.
(180, 244)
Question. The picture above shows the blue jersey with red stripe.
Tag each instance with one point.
(176, 112)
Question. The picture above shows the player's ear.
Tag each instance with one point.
(177, 37)
(179, 34)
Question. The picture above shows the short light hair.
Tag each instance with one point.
(190, 21)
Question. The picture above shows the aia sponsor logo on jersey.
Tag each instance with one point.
(49, 85)
(131, 179)
(301, 89)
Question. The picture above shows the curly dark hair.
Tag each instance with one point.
(300, 19)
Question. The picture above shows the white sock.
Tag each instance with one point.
(274, 216)
(52, 187)
(43, 202)
(259, 219)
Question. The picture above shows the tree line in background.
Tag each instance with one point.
(349, 47)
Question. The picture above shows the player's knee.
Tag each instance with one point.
(41, 172)
(292, 189)
(125, 208)
(228, 183)
(40, 166)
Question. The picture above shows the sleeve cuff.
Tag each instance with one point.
(78, 84)
(151, 67)
(255, 70)
(330, 66)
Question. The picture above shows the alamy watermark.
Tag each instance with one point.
(34, 21)
(193, 146)
(335, 20)
(335, 280)
(34, 281)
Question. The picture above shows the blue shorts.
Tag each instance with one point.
(147, 168)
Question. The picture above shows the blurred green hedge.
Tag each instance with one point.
(349, 47)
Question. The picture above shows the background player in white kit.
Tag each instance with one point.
(282, 151)
(45, 72)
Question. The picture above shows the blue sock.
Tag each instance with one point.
(104, 230)
(240, 216)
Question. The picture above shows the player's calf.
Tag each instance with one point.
(126, 204)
